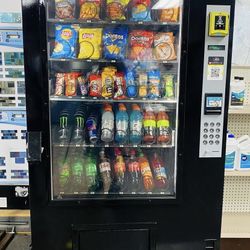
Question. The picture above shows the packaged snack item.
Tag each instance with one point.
(59, 84)
(120, 86)
(143, 84)
(169, 15)
(168, 83)
(116, 9)
(154, 78)
(141, 42)
(131, 83)
(141, 10)
(108, 79)
(90, 40)
(95, 85)
(82, 81)
(164, 46)
(114, 42)
(71, 83)
(65, 41)
(90, 9)
(65, 8)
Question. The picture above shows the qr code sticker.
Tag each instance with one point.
(215, 72)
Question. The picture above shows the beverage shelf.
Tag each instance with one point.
(113, 145)
(109, 100)
(108, 22)
(111, 61)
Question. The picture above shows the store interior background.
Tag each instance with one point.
(236, 208)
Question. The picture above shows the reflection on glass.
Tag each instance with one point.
(114, 84)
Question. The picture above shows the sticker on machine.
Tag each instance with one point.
(216, 68)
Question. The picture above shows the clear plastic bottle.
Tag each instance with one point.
(107, 124)
(149, 126)
(105, 171)
(163, 126)
(135, 124)
(121, 121)
(134, 172)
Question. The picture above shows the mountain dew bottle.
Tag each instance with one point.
(91, 171)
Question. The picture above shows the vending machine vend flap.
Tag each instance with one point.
(126, 122)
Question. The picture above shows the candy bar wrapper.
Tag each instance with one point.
(95, 85)
(120, 86)
(59, 90)
(71, 84)
(82, 81)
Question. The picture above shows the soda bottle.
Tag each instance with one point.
(121, 120)
(146, 172)
(135, 124)
(159, 171)
(120, 168)
(64, 171)
(78, 174)
(134, 171)
(78, 134)
(91, 125)
(63, 127)
(91, 172)
(105, 171)
(149, 125)
(107, 124)
(163, 128)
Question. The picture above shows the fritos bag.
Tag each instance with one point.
(90, 9)
(141, 42)
(164, 46)
(90, 40)
(65, 8)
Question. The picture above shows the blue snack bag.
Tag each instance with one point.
(114, 42)
(65, 41)
(131, 83)
(154, 84)
(141, 10)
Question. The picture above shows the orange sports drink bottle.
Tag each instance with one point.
(163, 126)
(146, 172)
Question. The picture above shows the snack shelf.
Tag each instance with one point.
(113, 145)
(109, 100)
(111, 61)
(110, 22)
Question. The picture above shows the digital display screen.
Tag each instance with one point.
(213, 104)
(216, 47)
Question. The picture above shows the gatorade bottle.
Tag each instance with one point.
(105, 171)
(149, 125)
(134, 172)
(64, 129)
(135, 124)
(163, 128)
(119, 168)
(91, 172)
(78, 134)
(121, 121)
(159, 171)
(107, 124)
(146, 172)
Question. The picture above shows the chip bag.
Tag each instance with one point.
(108, 79)
(90, 40)
(95, 85)
(116, 9)
(65, 8)
(114, 42)
(65, 41)
(154, 87)
(59, 90)
(141, 10)
(141, 42)
(169, 15)
(83, 85)
(120, 86)
(71, 83)
(90, 9)
(164, 46)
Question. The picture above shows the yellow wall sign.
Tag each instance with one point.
(219, 24)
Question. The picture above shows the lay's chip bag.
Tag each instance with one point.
(90, 40)
(114, 42)
(65, 41)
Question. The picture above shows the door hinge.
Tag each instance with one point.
(211, 244)
(34, 146)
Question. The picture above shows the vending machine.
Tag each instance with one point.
(127, 107)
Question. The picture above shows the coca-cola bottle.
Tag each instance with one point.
(105, 171)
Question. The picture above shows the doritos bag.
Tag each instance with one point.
(114, 42)
(141, 42)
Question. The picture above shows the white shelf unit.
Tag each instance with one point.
(236, 203)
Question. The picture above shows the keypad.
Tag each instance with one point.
(211, 133)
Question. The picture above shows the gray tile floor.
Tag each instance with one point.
(20, 242)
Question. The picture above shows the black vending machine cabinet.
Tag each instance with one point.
(127, 109)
